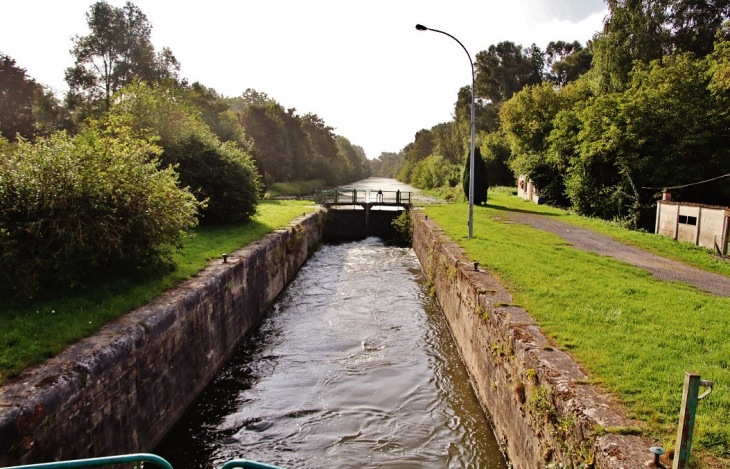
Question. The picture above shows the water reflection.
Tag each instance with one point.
(354, 367)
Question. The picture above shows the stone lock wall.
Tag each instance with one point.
(542, 410)
(122, 389)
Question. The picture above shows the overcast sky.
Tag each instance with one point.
(360, 65)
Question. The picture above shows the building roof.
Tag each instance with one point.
(692, 204)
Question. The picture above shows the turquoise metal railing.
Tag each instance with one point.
(359, 196)
(137, 459)
(103, 461)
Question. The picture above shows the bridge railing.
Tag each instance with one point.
(360, 196)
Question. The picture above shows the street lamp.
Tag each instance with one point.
(421, 27)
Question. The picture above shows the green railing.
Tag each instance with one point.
(360, 196)
(137, 459)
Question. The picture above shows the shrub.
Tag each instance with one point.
(403, 229)
(219, 173)
(480, 178)
(72, 206)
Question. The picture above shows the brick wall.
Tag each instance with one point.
(121, 390)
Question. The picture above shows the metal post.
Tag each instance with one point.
(420, 27)
(690, 399)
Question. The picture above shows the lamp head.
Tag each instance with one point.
(421, 27)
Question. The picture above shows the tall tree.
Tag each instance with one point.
(505, 69)
(264, 123)
(566, 61)
(486, 113)
(321, 136)
(117, 50)
(449, 141)
(423, 145)
(16, 100)
(646, 30)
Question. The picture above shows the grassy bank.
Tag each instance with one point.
(295, 188)
(634, 335)
(30, 332)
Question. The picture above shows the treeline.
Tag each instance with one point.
(437, 156)
(602, 129)
(118, 171)
(292, 147)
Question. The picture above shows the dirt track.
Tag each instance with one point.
(661, 267)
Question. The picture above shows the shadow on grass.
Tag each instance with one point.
(504, 208)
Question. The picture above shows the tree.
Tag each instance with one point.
(666, 129)
(423, 145)
(486, 113)
(496, 154)
(646, 30)
(505, 69)
(216, 112)
(390, 164)
(264, 123)
(694, 24)
(481, 183)
(321, 136)
(117, 50)
(222, 174)
(449, 141)
(528, 120)
(567, 61)
(248, 97)
(355, 157)
(634, 30)
(17, 92)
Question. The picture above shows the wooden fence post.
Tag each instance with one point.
(690, 399)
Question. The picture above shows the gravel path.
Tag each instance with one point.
(661, 267)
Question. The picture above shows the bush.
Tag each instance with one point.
(72, 206)
(219, 173)
(480, 177)
(403, 229)
(222, 173)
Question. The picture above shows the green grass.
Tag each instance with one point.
(661, 245)
(295, 188)
(635, 335)
(31, 332)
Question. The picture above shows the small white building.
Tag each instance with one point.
(526, 190)
(703, 225)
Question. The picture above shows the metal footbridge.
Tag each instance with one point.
(343, 197)
(357, 213)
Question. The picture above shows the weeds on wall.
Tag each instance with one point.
(403, 229)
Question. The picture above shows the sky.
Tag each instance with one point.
(360, 65)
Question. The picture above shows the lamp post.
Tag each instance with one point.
(421, 27)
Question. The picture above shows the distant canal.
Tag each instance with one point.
(354, 367)
(388, 184)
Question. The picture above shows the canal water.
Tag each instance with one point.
(354, 367)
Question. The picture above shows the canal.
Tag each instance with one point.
(354, 366)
